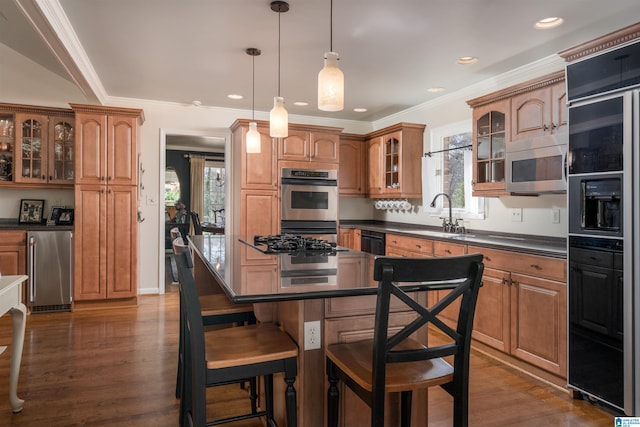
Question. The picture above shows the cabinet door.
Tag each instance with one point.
(531, 114)
(324, 147)
(122, 242)
(491, 323)
(351, 170)
(392, 164)
(91, 148)
(122, 150)
(559, 108)
(259, 170)
(259, 216)
(491, 130)
(89, 243)
(31, 148)
(12, 252)
(295, 146)
(444, 249)
(61, 150)
(539, 322)
(375, 154)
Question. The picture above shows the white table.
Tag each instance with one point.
(11, 301)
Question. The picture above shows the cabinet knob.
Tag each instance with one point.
(535, 267)
(109, 178)
(487, 258)
(545, 127)
(447, 251)
(553, 126)
(101, 178)
(505, 281)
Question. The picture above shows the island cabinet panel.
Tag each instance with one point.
(106, 203)
(352, 170)
(259, 216)
(522, 308)
(352, 411)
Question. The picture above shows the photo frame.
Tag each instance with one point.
(55, 214)
(31, 211)
(65, 217)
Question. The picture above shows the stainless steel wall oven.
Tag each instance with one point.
(309, 201)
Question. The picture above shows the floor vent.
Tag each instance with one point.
(50, 308)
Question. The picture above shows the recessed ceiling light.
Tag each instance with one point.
(234, 96)
(546, 23)
(360, 110)
(467, 60)
(196, 103)
(435, 89)
(301, 103)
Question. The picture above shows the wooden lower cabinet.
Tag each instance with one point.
(13, 249)
(105, 242)
(522, 308)
(350, 238)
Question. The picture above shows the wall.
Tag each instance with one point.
(166, 118)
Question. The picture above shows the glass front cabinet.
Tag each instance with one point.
(36, 148)
(491, 132)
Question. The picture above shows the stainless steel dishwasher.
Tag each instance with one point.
(50, 266)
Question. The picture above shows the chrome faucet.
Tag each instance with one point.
(446, 225)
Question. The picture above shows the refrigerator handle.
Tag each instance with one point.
(71, 266)
(32, 269)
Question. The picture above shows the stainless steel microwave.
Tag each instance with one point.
(537, 165)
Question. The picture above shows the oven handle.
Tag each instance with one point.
(313, 182)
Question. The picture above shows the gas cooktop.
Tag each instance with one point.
(292, 243)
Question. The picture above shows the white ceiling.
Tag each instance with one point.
(391, 52)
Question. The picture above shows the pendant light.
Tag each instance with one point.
(331, 78)
(253, 138)
(278, 117)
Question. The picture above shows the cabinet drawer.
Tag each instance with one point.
(532, 265)
(448, 249)
(13, 237)
(412, 244)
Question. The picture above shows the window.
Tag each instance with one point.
(449, 170)
(214, 192)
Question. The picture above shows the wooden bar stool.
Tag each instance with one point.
(398, 363)
(231, 355)
(216, 309)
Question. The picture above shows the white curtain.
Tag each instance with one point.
(197, 186)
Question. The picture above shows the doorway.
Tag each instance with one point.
(174, 185)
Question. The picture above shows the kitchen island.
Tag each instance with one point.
(334, 289)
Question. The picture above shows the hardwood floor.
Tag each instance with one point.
(116, 367)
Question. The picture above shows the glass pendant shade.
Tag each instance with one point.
(330, 84)
(278, 119)
(253, 138)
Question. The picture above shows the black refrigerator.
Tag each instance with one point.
(604, 228)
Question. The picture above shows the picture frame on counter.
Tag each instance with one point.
(65, 217)
(54, 215)
(31, 211)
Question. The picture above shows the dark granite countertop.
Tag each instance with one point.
(536, 245)
(13, 224)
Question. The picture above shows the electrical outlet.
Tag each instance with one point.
(312, 335)
(555, 216)
(516, 215)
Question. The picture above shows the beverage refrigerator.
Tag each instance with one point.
(603, 203)
(50, 258)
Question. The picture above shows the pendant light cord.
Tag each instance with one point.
(278, 53)
(331, 26)
(253, 88)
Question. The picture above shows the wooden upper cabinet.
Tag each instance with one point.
(310, 143)
(62, 150)
(258, 171)
(106, 145)
(534, 108)
(122, 151)
(539, 112)
(393, 158)
(351, 173)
